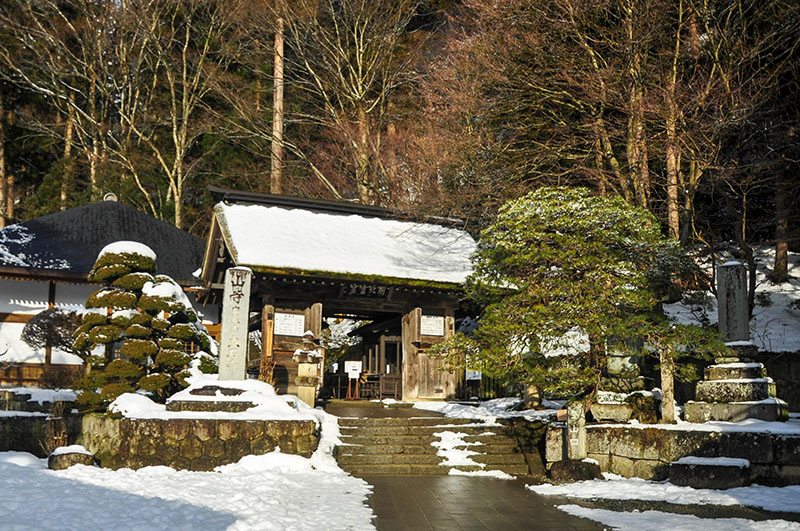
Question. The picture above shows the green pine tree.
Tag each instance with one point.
(147, 328)
(562, 262)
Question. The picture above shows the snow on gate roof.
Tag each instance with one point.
(279, 238)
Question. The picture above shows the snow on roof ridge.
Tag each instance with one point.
(296, 238)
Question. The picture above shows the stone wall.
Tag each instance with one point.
(28, 433)
(188, 444)
(647, 452)
(191, 444)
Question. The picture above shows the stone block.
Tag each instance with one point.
(569, 471)
(237, 448)
(203, 464)
(786, 450)
(701, 476)
(213, 448)
(650, 469)
(611, 412)
(735, 390)
(177, 429)
(252, 429)
(735, 371)
(191, 448)
(66, 460)
(597, 441)
(204, 429)
(755, 447)
(771, 410)
(226, 429)
(622, 466)
(554, 443)
(262, 445)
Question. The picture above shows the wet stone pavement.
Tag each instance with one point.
(459, 502)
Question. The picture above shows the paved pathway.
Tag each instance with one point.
(458, 502)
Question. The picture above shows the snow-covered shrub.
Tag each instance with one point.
(147, 329)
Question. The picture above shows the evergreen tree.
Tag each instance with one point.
(147, 327)
(560, 264)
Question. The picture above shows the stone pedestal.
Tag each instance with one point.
(736, 387)
(622, 377)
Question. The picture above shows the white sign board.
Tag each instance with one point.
(353, 369)
(290, 324)
(474, 375)
(432, 325)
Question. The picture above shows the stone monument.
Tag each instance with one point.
(235, 318)
(735, 387)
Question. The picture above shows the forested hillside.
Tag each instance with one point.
(442, 107)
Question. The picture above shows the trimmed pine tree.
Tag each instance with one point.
(145, 334)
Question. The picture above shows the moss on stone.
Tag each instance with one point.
(109, 273)
(133, 281)
(138, 331)
(182, 331)
(123, 370)
(172, 358)
(138, 349)
(104, 334)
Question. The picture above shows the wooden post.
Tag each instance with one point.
(313, 316)
(411, 338)
(51, 303)
(667, 391)
(267, 365)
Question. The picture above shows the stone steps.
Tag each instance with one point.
(403, 446)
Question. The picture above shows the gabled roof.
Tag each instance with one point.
(318, 239)
(65, 245)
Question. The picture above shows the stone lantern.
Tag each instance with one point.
(307, 358)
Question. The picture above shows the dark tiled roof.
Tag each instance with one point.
(68, 242)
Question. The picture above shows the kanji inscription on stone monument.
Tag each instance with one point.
(235, 314)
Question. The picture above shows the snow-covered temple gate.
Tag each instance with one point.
(313, 259)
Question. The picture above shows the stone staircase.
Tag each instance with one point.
(405, 446)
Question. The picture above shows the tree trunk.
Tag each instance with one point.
(672, 146)
(66, 178)
(667, 388)
(276, 161)
(2, 162)
(780, 271)
(365, 192)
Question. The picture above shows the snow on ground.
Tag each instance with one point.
(775, 326)
(268, 405)
(280, 237)
(490, 410)
(260, 492)
(790, 427)
(452, 447)
(272, 491)
(614, 487)
(661, 521)
(43, 395)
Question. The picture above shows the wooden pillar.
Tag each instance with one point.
(411, 339)
(51, 303)
(267, 338)
(314, 319)
(451, 379)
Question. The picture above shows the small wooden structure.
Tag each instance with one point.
(313, 259)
